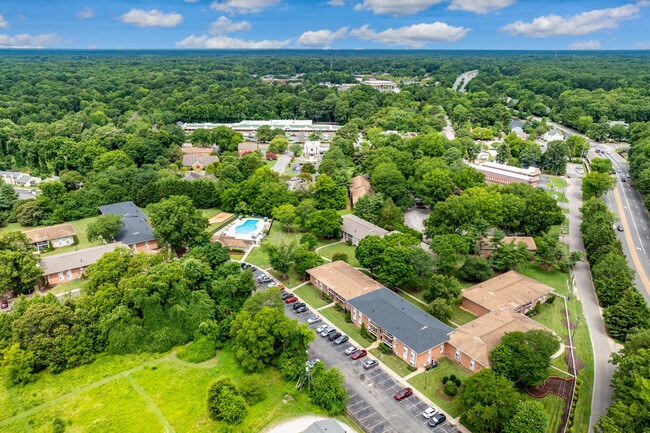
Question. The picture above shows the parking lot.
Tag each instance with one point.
(371, 392)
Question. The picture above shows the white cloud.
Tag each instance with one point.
(321, 38)
(30, 41)
(415, 36)
(224, 42)
(86, 12)
(576, 25)
(585, 45)
(21, 17)
(242, 6)
(224, 25)
(396, 7)
(645, 45)
(191, 1)
(336, 3)
(480, 6)
(151, 18)
(3, 23)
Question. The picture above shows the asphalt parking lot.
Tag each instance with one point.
(371, 392)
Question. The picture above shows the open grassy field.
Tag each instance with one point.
(392, 361)
(311, 295)
(277, 235)
(555, 278)
(341, 248)
(143, 393)
(258, 258)
(461, 316)
(434, 382)
(67, 287)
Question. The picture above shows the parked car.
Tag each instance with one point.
(326, 331)
(622, 179)
(298, 305)
(252, 268)
(400, 395)
(341, 339)
(287, 295)
(321, 328)
(370, 363)
(437, 419)
(331, 332)
(359, 354)
(291, 299)
(334, 336)
(273, 284)
(429, 412)
(620, 228)
(4, 304)
(281, 286)
(350, 350)
(311, 363)
(302, 309)
(313, 319)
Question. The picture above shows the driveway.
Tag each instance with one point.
(414, 218)
(282, 163)
(371, 392)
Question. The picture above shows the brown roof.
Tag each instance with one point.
(478, 337)
(359, 186)
(248, 145)
(344, 279)
(49, 233)
(528, 240)
(510, 290)
(199, 151)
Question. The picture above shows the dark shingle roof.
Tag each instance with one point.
(325, 426)
(406, 322)
(136, 229)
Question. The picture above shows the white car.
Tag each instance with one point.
(313, 319)
(350, 350)
(273, 284)
(429, 412)
(320, 328)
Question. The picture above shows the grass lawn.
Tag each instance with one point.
(341, 248)
(557, 182)
(277, 235)
(310, 295)
(236, 256)
(344, 212)
(11, 227)
(144, 393)
(556, 279)
(209, 213)
(269, 164)
(258, 258)
(291, 282)
(67, 287)
(338, 320)
(417, 293)
(434, 382)
(392, 361)
(461, 316)
(80, 227)
(554, 406)
(560, 197)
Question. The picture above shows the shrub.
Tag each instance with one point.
(349, 242)
(410, 368)
(338, 307)
(252, 388)
(340, 257)
(538, 307)
(384, 348)
(476, 269)
(444, 379)
(224, 401)
(309, 240)
(458, 382)
(450, 388)
(201, 350)
(452, 377)
(348, 316)
(550, 300)
(364, 333)
(58, 426)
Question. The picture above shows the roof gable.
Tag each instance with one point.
(510, 290)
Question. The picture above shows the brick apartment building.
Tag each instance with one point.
(71, 266)
(136, 234)
(60, 236)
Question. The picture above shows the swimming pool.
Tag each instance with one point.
(247, 227)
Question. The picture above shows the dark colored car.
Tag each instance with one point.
(302, 309)
(341, 339)
(399, 395)
(298, 305)
(4, 304)
(331, 332)
(291, 299)
(287, 295)
(620, 228)
(437, 419)
(359, 354)
(370, 363)
(334, 336)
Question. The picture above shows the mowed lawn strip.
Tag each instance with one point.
(311, 295)
(258, 258)
(556, 279)
(340, 248)
(461, 316)
(392, 361)
(338, 320)
(446, 367)
(554, 406)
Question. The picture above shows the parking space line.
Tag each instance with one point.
(383, 420)
(354, 404)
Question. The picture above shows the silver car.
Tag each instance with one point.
(350, 350)
(326, 330)
(313, 319)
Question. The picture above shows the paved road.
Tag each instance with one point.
(602, 345)
(371, 392)
(414, 218)
(282, 163)
(448, 131)
(465, 77)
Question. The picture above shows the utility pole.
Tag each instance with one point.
(576, 328)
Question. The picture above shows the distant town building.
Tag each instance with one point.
(247, 147)
(60, 236)
(298, 130)
(505, 174)
(315, 148)
(199, 162)
(553, 135)
(19, 179)
(354, 229)
(197, 151)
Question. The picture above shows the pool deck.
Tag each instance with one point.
(228, 235)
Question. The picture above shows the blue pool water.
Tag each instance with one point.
(246, 228)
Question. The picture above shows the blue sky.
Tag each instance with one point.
(335, 24)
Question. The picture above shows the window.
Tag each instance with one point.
(457, 354)
(69, 273)
(412, 358)
(354, 315)
(360, 316)
(471, 364)
(442, 347)
(61, 277)
(60, 242)
(146, 245)
(405, 353)
(429, 357)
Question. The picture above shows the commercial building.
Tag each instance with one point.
(315, 148)
(136, 234)
(510, 290)
(354, 229)
(298, 130)
(59, 236)
(505, 174)
(71, 266)
(341, 281)
(359, 186)
(414, 335)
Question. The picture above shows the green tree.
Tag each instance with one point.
(328, 195)
(309, 241)
(487, 401)
(596, 184)
(602, 165)
(29, 214)
(630, 312)
(281, 255)
(530, 417)
(441, 287)
(19, 270)
(278, 145)
(475, 269)
(271, 298)
(449, 249)
(370, 253)
(435, 186)
(285, 215)
(325, 223)
(525, 356)
(105, 227)
(441, 309)
(509, 256)
(390, 217)
(305, 259)
(326, 389)
(253, 338)
(177, 222)
(612, 278)
(424, 267)
(396, 269)
(387, 179)
(225, 403)
(309, 168)
(549, 251)
(18, 364)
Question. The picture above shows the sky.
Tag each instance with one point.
(326, 24)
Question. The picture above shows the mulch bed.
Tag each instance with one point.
(442, 395)
(565, 314)
(567, 359)
(559, 387)
(572, 325)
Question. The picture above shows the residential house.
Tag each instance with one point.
(19, 179)
(136, 234)
(199, 162)
(504, 174)
(413, 335)
(59, 236)
(359, 186)
(197, 151)
(487, 247)
(329, 425)
(510, 290)
(341, 281)
(71, 266)
(247, 147)
(553, 135)
(470, 344)
(354, 229)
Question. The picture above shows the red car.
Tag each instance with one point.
(359, 354)
(291, 299)
(403, 393)
(4, 304)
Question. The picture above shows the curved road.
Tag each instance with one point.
(465, 78)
